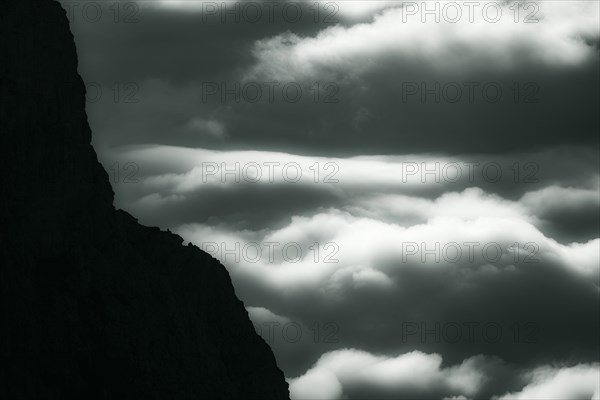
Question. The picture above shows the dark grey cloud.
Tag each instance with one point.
(570, 220)
(564, 113)
(176, 43)
(541, 102)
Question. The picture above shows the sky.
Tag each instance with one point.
(405, 194)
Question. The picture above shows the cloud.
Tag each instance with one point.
(316, 384)
(351, 373)
(566, 213)
(556, 383)
(555, 40)
(410, 375)
(360, 276)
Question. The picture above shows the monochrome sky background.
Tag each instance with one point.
(512, 131)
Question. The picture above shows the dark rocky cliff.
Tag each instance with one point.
(93, 304)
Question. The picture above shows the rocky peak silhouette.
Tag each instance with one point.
(93, 304)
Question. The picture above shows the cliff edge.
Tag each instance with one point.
(93, 304)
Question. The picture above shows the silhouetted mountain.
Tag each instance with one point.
(93, 304)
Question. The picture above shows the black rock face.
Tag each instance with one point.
(93, 304)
